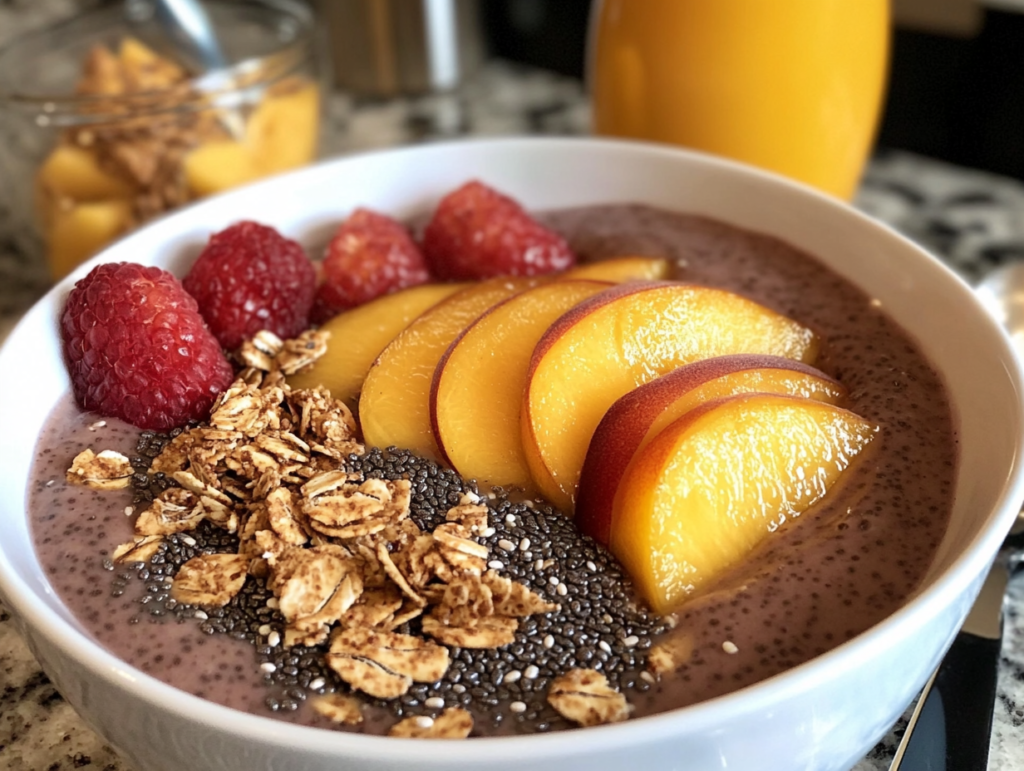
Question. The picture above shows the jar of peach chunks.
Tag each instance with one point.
(105, 123)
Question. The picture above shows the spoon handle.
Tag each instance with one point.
(951, 728)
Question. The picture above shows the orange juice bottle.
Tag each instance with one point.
(794, 86)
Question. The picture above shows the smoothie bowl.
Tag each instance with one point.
(798, 654)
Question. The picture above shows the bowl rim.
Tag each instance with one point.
(968, 568)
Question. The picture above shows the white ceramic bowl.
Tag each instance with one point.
(825, 714)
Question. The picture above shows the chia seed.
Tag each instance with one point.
(540, 548)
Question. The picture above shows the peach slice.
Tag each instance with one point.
(621, 338)
(721, 479)
(82, 230)
(476, 395)
(622, 269)
(75, 172)
(642, 413)
(394, 406)
(360, 334)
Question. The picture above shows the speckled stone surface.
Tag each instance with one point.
(974, 221)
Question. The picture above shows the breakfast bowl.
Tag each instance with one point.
(825, 712)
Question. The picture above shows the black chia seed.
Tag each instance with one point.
(599, 625)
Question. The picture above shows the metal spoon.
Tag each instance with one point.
(189, 29)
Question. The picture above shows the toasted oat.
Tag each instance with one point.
(453, 723)
(584, 696)
(351, 510)
(175, 510)
(315, 587)
(300, 352)
(667, 656)
(472, 516)
(376, 607)
(283, 516)
(487, 632)
(138, 550)
(385, 664)
(384, 557)
(191, 482)
(339, 708)
(511, 598)
(210, 579)
(106, 470)
(259, 352)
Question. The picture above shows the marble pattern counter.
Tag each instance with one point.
(973, 221)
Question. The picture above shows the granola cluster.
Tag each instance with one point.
(341, 554)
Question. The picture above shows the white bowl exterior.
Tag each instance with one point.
(825, 714)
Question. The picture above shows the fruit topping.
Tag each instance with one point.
(370, 255)
(721, 479)
(621, 338)
(136, 348)
(476, 396)
(394, 406)
(357, 337)
(476, 232)
(249, 278)
(642, 413)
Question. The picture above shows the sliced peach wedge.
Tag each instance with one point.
(642, 413)
(621, 269)
(478, 384)
(360, 334)
(721, 479)
(622, 338)
(394, 405)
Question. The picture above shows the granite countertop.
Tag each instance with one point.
(972, 220)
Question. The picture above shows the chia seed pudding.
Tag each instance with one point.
(820, 581)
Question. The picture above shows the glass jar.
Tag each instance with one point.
(103, 124)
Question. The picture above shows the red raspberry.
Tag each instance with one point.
(477, 232)
(369, 255)
(248, 278)
(137, 349)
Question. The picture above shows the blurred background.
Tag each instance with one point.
(956, 89)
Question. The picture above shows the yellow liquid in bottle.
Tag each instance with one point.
(793, 86)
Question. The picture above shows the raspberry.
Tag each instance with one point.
(369, 255)
(477, 232)
(137, 349)
(248, 278)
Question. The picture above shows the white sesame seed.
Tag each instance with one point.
(188, 540)
(459, 688)
(489, 532)
(317, 684)
(531, 672)
(630, 641)
(527, 555)
(553, 580)
(168, 579)
(129, 510)
(424, 721)
(730, 647)
(529, 504)
(496, 565)
(506, 544)
(268, 667)
(591, 566)
(549, 641)
(538, 565)
(274, 639)
(264, 629)
(434, 702)
(471, 497)
(200, 614)
(561, 591)
(97, 424)
(517, 706)
(524, 545)
(603, 645)
(548, 563)
(50, 482)
(607, 619)
(647, 677)
(272, 603)
(512, 676)
(510, 519)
